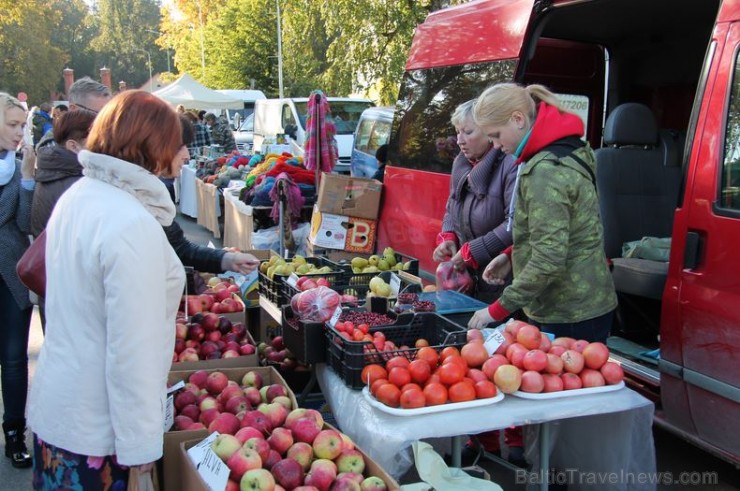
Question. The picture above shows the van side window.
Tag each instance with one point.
(378, 137)
(287, 116)
(730, 187)
(423, 137)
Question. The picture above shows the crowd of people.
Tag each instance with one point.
(113, 152)
(522, 217)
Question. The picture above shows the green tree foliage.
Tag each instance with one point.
(125, 42)
(28, 60)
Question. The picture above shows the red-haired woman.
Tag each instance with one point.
(113, 287)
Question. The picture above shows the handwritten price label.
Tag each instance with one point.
(335, 316)
(292, 280)
(493, 341)
(169, 413)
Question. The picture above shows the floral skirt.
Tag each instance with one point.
(57, 469)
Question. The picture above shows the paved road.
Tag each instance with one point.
(673, 454)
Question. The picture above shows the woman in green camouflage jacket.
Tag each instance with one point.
(561, 277)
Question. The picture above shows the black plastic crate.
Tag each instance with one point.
(306, 340)
(348, 358)
(272, 289)
(352, 278)
(461, 319)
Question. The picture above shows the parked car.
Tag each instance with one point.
(244, 135)
(678, 60)
(373, 130)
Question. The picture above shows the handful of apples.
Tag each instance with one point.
(528, 361)
(300, 452)
(218, 298)
(210, 336)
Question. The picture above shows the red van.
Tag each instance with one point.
(658, 85)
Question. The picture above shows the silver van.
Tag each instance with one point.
(373, 130)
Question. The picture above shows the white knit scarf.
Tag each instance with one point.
(7, 168)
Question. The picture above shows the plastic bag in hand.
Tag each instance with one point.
(315, 305)
(449, 278)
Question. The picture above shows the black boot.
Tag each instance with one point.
(15, 443)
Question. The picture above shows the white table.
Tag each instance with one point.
(599, 433)
(188, 196)
(238, 220)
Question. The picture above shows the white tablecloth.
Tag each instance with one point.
(238, 221)
(188, 196)
(599, 433)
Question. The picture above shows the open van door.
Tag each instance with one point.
(700, 338)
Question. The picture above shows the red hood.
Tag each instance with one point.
(551, 125)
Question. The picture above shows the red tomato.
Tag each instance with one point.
(399, 376)
(449, 350)
(364, 328)
(389, 394)
(373, 372)
(450, 373)
(429, 355)
(409, 386)
(474, 354)
(485, 389)
(461, 392)
(397, 361)
(378, 383)
(435, 394)
(420, 371)
(412, 398)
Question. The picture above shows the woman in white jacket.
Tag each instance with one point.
(113, 286)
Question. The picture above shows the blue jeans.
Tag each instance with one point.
(15, 325)
(592, 330)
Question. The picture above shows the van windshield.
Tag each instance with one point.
(346, 114)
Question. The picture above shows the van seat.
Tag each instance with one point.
(637, 196)
(672, 142)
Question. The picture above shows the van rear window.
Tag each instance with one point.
(423, 137)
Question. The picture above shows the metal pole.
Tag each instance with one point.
(202, 46)
(151, 81)
(280, 50)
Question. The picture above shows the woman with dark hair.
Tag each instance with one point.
(98, 397)
(57, 167)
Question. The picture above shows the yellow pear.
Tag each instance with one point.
(383, 265)
(384, 290)
(373, 260)
(390, 259)
(359, 262)
(375, 283)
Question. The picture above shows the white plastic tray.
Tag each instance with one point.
(568, 393)
(450, 406)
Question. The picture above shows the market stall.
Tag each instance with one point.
(578, 428)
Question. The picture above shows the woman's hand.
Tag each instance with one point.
(497, 270)
(480, 319)
(444, 251)
(457, 261)
(28, 168)
(240, 262)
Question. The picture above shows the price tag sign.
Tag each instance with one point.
(210, 467)
(196, 452)
(395, 284)
(176, 387)
(335, 316)
(292, 280)
(169, 413)
(493, 341)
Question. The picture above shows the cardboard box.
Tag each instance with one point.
(342, 232)
(349, 196)
(172, 463)
(191, 480)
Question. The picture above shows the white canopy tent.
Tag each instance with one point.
(191, 94)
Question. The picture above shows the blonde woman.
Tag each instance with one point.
(561, 278)
(16, 193)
